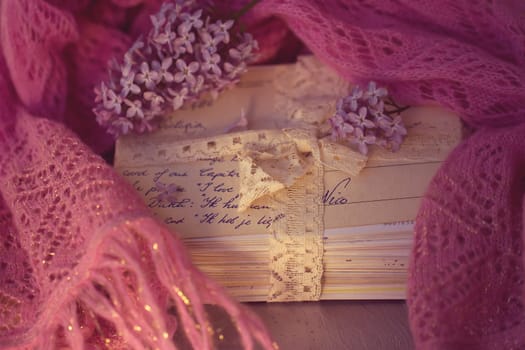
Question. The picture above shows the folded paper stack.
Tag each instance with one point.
(271, 211)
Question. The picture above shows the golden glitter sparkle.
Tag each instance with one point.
(181, 295)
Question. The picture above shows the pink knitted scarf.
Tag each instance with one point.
(82, 263)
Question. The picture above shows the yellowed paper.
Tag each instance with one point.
(254, 207)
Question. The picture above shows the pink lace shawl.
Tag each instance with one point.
(83, 265)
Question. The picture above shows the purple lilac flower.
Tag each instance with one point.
(377, 109)
(167, 192)
(146, 76)
(104, 117)
(101, 93)
(193, 20)
(144, 124)
(112, 101)
(184, 43)
(199, 83)
(361, 119)
(134, 109)
(162, 69)
(211, 62)
(242, 52)
(395, 142)
(155, 100)
(167, 37)
(362, 141)
(186, 54)
(373, 94)
(128, 56)
(384, 122)
(221, 29)
(158, 21)
(128, 84)
(398, 127)
(122, 125)
(234, 70)
(353, 99)
(185, 73)
(209, 43)
(178, 97)
(340, 128)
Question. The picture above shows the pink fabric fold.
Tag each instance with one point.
(78, 250)
(83, 264)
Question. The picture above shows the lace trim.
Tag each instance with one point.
(284, 168)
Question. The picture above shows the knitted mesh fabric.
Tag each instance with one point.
(466, 273)
(82, 262)
(70, 222)
(466, 278)
(83, 265)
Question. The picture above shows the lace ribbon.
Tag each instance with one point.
(284, 167)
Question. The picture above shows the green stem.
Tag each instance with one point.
(245, 9)
(397, 111)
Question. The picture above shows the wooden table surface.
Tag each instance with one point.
(324, 325)
(338, 325)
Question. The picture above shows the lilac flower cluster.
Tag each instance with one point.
(366, 117)
(184, 56)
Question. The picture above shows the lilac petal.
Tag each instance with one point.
(130, 112)
(363, 148)
(144, 67)
(357, 93)
(381, 92)
(134, 89)
(235, 54)
(178, 77)
(193, 67)
(368, 124)
(353, 105)
(166, 63)
(353, 117)
(347, 128)
(122, 126)
(177, 102)
(362, 112)
(168, 77)
(369, 139)
(197, 86)
(101, 93)
(228, 24)
(190, 79)
(181, 65)
(103, 116)
(384, 122)
(339, 105)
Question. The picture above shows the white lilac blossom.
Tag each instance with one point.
(186, 54)
(369, 117)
